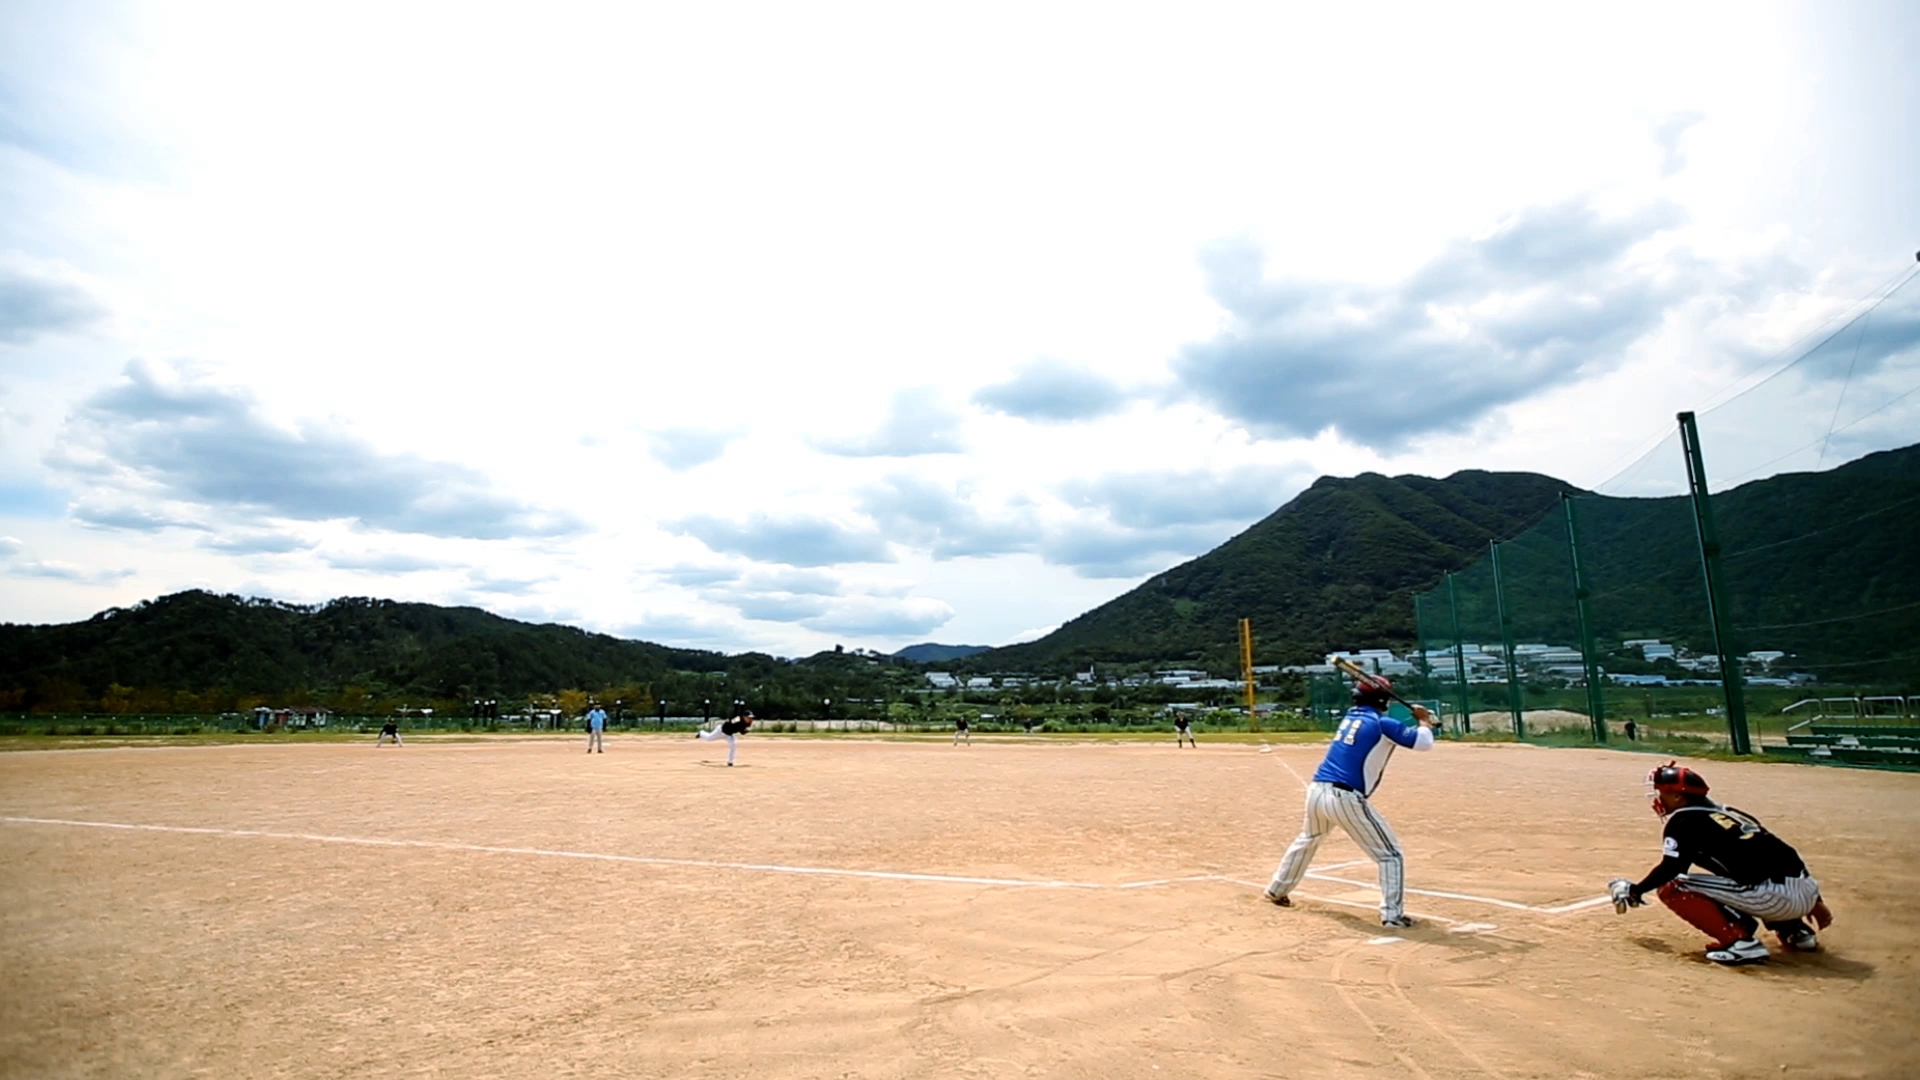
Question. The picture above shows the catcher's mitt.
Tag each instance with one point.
(1621, 891)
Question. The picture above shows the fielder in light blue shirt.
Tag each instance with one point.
(1349, 773)
(596, 729)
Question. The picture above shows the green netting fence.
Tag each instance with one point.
(1813, 478)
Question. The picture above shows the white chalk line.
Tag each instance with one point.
(773, 868)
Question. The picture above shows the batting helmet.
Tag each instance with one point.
(1375, 692)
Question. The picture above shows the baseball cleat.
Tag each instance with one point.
(1400, 922)
(1276, 899)
(1744, 951)
(1803, 941)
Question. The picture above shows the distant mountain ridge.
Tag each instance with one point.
(1339, 565)
(934, 653)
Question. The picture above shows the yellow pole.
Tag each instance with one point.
(1246, 671)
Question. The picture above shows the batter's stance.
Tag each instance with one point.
(1753, 876)
(1338, 796)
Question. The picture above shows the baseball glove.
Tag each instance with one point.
(1621, 890)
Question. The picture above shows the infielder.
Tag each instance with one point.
(596, 729)
(389, 728)
(961, 733)
(1349, 773)
(731, 728)
(1182, 731)
(1753, 876)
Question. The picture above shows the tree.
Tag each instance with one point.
(117, 700)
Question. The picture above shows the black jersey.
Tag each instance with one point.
(735, 727)
(390, 728)
(960, 724)
(1723, 841)
(1181, 722)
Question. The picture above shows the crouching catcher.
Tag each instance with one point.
(1753, 876)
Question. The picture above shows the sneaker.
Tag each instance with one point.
(1744, 951)
(1802, 941)
(1276, 899)
(1401, 922)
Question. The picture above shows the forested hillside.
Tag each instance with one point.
(1819, 565)
(196, 651)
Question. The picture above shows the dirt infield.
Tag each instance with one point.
(880, 909)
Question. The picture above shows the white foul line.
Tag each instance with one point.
(773, 868)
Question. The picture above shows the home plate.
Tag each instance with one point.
(1384, 940)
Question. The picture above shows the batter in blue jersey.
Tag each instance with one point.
(1351, 771)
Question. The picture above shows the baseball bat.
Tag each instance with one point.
(1365, 678)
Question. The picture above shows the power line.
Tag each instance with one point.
(1895, 400)
(1879, 296)
(1906, 276)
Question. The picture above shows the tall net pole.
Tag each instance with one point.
(1730, 683)
(1459, 662)
(1506, 643)
(1596, 701)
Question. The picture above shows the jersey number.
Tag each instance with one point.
(1748, 830)
(1349, 731)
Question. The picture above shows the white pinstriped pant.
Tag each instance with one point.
(716, 733)
(1768, 901)
(1328, 806)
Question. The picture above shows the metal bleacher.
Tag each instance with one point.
(1880, 732)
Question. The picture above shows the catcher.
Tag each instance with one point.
(1753, 876)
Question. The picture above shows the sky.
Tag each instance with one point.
(780, 327)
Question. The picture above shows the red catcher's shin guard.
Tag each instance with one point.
(1706, 914)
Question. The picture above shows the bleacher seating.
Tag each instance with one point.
(1877, 746)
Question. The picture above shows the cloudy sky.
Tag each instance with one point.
(780, 326)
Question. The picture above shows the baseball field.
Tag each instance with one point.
(838, 908)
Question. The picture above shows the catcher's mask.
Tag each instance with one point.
(1673, 777)
(1374, 692)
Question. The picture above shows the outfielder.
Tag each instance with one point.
(1350, 772)
(596, 729)
(390, 728)
(960, 732)
(731, 728)
(1753, 876)
(1182, 731)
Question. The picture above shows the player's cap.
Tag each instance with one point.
(1675, 777)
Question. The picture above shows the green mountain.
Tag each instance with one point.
(1336, 566)
(1339, 566)
(934, 653)
(197, 651)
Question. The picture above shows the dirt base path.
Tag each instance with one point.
(867, 909)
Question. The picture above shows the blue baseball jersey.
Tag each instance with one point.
(596, 720)
(1360, 748)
